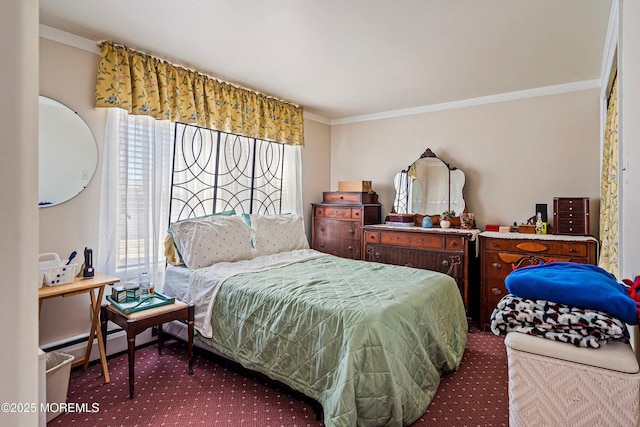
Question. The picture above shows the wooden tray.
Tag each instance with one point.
(128, 307)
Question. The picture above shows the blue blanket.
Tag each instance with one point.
(580, 285)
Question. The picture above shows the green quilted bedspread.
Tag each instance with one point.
(368, 341)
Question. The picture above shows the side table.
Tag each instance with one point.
(137, 322)
(83, 286)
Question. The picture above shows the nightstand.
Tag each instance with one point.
(137, 322)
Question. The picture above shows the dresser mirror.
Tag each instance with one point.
(429, 186)
(67, 150)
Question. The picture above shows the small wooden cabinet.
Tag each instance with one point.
(337, 222)
(502, 252)
(449, 251)
(571, 215)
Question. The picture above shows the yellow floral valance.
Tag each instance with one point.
(145, 85)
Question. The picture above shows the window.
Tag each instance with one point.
(143, 155)
(214, 171)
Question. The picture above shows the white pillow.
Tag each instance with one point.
(278, 233)
(206, 241)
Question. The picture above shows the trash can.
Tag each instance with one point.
(58, 372)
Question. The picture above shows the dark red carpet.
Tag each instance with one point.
(165, 395)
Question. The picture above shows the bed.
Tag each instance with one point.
(367, 341)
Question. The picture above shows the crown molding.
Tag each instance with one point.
(610, 49)
(69, 39)
(491, 99)
(317, 118)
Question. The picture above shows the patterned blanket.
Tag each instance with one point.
(559, 322)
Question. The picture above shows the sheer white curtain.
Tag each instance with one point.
(136, 190)
(292, 185)
(134, 204)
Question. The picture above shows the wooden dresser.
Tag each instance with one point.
(500, 253)
(450, 251)
(337, 222)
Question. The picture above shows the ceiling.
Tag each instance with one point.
(343, 59)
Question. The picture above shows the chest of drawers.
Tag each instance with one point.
(502, 252)
(571, 215)
(337, 222)
(448, 251)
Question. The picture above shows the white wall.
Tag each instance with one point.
(18, 208)
(630, 136)
(67, 74)
(514, 154)
(629, 126)
(316, 156)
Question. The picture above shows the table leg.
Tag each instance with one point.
(95, 307)
(103, 356)
(87, 352)
(160, 339)
(132, 361)
(103, 324)
(190, 310)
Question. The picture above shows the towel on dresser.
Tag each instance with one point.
(558, 322)
(581, 285)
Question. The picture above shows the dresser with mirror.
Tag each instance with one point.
(426, 188)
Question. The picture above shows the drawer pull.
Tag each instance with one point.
(445, 263)
(351, 231)
(496, 265)
(454, 243)
(350, 248)
(495, 245)
(377, 255)
(321, 228)
(572, 249)
(496, 291)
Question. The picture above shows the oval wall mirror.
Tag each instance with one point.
(68, 154)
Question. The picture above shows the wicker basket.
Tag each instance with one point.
(546, 390)
(52, 272)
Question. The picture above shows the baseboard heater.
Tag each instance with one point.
(116, 343)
